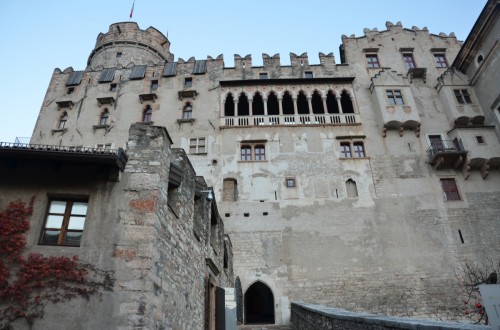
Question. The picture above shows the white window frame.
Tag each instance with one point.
(197, 146)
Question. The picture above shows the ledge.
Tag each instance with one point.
(105, 100)
(64, 104)
(148, 97)
(292, 81)
(182, 121)
(187, 94)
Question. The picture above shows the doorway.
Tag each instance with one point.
(259, 304)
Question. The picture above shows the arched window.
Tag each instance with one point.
(287, 103)
(331, 102)
(273, 107)
(351, 188)
(317, 103)
(257, 105)
(302, 104)
(62, 121)
(243, 108)
(229, 105)
(187, 111)
(345, 101)
(147, 114)
(259, 304)
(104, 117)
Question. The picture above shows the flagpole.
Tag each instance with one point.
(132, 10)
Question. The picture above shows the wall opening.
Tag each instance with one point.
(243, 108)
(273, 108)
(317, 103)
(287, 103)
(345, 101)
(257, 105)
(302, 104)
(259, 304)
(229, 105)
(331, 103)
(230, 190)
(352, 189)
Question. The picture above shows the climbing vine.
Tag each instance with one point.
(28, 282)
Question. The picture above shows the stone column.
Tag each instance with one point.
(309, 104)
(265, 105)
(235, 107)
(295, 111)
(250, 108)
(339, 104)
(325, 108)
(280, 103)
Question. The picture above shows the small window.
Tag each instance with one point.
(64, 222)
(112, 87)
(188, 82)
(246, 153)
(440, 61)
(372, 61)
(154, 85)
(71, 90)
(197, 145)
(118, 54)
(480, 58)
(345, 150)
(62, 121)
(103, 146)
(187, 111)
(308, 74)
(395, 97)
(450, 190)
(359, 149)
(104, 117)
(408, 59)
(290, 182)
(480, 139)
(147, 114)
(462, 96)
(263, 75)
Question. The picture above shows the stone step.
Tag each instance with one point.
(264, 327)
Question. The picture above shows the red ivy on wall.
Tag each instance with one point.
(29, 282)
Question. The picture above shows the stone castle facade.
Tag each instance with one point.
(360, 185)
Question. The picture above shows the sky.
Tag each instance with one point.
(39, 36)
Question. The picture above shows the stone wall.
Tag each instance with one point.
(308, 317)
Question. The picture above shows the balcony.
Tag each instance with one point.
(292, 120)
(446, 154)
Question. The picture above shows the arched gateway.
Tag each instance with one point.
(259, 304)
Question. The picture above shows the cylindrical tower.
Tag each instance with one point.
(125, 42)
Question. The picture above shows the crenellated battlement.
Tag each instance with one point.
(394, 28)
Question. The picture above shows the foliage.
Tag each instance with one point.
(29, 282)
(470, 276)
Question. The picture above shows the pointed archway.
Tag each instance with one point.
(259, 304)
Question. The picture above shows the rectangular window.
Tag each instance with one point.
(462, 96)
(345, 150)
(188, 82)
(372, 61)
(64, 222)
(440, 60)
(480, 139)
(395, 97)
(450, 190)
(118, 54)
(197, 145)
(290, 182)
(154, 85)
(359, 149)
(263, 75)
(408, 59)
(71, 90)
(112, 87)
(308, 74)
(253, 151)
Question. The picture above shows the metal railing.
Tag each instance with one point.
(445, 146)
(285, 120)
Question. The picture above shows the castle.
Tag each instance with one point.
(361, 184)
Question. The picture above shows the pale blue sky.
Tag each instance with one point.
(39, 36)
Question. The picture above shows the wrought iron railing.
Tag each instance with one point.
(445, 146)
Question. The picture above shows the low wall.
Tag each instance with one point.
(308, 317)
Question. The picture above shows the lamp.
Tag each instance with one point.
(210, 196)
